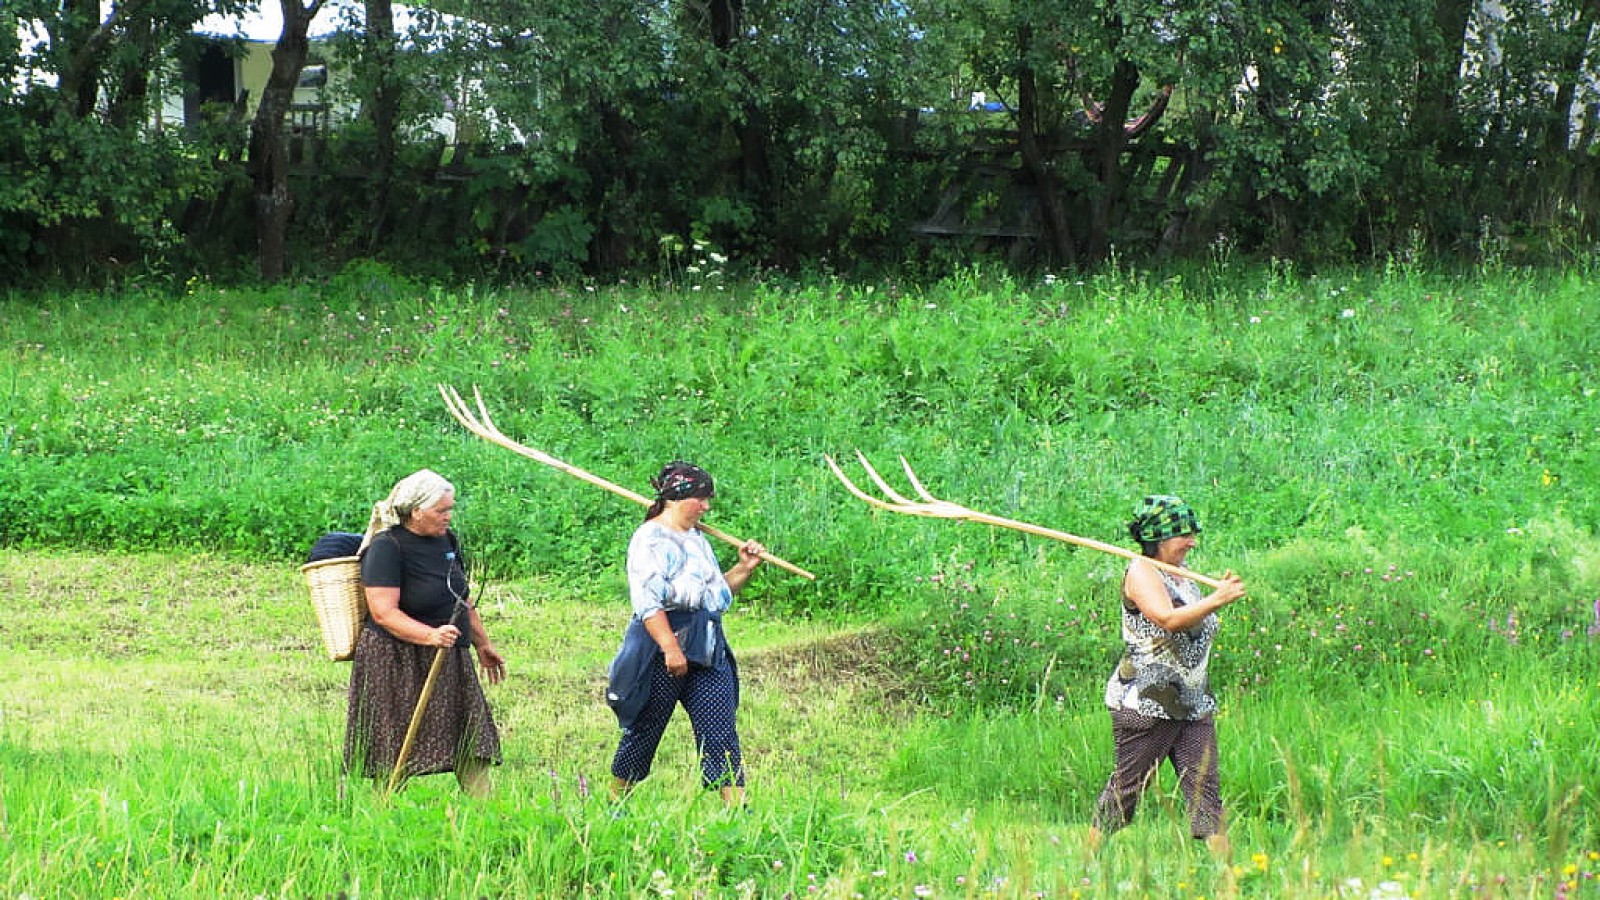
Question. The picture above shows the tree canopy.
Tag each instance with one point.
(516, 137)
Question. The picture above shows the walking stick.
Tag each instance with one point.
(416, 718)
(422, 705)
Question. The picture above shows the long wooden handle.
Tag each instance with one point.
(486, 430)
(416, 719)
(933, 508)
(1092, 544)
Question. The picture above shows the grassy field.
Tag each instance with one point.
(170, 729)
(1401, 463)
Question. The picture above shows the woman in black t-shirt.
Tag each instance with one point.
(417, 596)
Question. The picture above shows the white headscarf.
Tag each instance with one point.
(419, 490)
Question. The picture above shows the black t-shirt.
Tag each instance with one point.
(427, 570)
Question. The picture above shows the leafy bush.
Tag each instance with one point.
(1292, 411)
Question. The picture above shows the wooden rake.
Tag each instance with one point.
(934, 508)
(484, 427)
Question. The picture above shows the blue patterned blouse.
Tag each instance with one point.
(670, 570)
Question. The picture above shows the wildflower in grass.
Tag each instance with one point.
(1509, 629)
(911, 856)
(1260, 861)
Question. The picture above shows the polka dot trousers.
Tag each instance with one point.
(711, 698)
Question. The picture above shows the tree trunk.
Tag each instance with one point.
(724, 17)
(1185, 228)
(1558, 164)
(1111, 139)
(269, 153)
(1558, 134)
(83, 40)
(1437, 130)
(615, 188)
(129, 101)
(725, 24)
(1058, 232)
(384, 106)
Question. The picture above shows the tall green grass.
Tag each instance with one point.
(170, 729)
(1401, 407)
(1398, 462)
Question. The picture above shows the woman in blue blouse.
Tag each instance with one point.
(674, 651)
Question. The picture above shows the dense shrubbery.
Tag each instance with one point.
(852, 137)
(1335, 422)
(1030, 637)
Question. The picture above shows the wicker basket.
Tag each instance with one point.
(340, 604)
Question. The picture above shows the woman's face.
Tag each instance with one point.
(691, 509)
(433, 521)
(1174, 549)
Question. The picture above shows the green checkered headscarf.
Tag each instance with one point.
(1162, 516)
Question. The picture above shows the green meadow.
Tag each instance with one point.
(1400, 462)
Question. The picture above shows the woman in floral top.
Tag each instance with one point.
(674, 651)
(1159, 696)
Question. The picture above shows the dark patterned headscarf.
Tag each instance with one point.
(1162, 516)
(680, 480)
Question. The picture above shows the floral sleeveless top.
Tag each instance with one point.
(1163, 673)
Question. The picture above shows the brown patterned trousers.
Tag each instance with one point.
(1142, 743)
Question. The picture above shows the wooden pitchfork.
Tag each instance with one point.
(934, 508)
(482, 426)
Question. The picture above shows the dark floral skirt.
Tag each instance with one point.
(386, 679)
